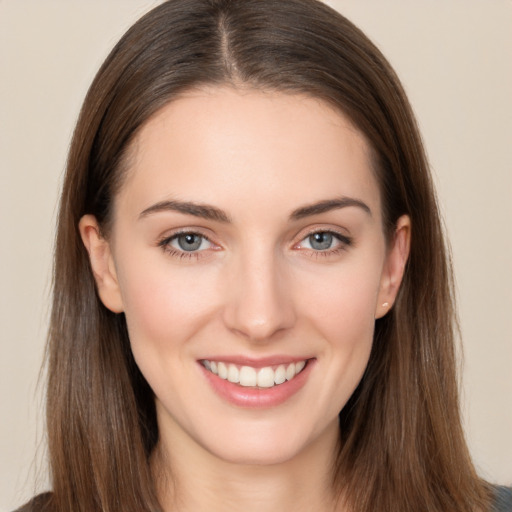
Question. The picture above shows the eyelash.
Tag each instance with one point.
(344, 243)
(165, 244)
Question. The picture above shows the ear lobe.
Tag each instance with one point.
(102, 263)
(394, 266)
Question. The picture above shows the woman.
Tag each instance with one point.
(248, 244)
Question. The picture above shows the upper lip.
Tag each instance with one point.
(259, 362)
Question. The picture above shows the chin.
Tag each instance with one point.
(257, 454)
(266, 444)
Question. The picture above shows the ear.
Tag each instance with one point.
(102, 263)
(394, 266)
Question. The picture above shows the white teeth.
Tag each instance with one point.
(248, 376)
(280, 374)
(233, 374)
(266, 377)
(222, 371)
(299, 366)
(290, 371)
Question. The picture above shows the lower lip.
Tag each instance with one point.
(251, 397)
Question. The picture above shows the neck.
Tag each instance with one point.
(192, 480)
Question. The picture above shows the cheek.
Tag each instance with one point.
(341, 309)
(164, 310)
(347, 322)
(163, 307)
(343, 299)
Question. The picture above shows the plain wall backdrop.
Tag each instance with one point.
(455, 60)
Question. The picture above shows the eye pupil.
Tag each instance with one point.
(321, 241)
(189, 242)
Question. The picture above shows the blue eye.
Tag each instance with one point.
(183, 243)
(325, 241)
(321, 241)
(189, 241)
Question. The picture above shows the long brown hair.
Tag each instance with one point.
(402, 446)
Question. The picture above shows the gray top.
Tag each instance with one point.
(502, 501)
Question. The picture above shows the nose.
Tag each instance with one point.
(260, 302)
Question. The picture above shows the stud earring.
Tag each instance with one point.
(385, 304)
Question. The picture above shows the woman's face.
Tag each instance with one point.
(247, 245)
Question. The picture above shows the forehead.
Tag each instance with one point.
(225, 145)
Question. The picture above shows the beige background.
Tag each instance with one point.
(455, 59)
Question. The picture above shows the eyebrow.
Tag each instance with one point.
(204, 211)
(209, 212)
(328, 205)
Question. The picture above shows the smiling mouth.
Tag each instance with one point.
(247, 376)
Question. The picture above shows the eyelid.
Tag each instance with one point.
(164, 242)
(175, 240)
(344, 241)
(339, 233)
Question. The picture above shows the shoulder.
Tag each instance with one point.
(41, 503)
(502, 499)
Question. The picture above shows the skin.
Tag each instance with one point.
(256, 287)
